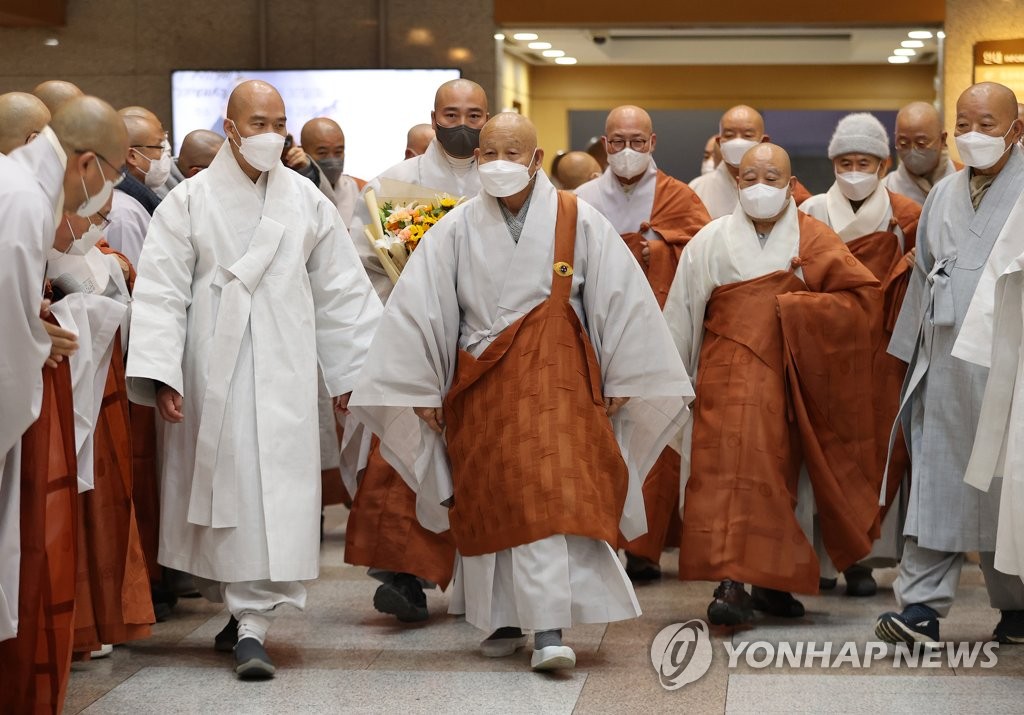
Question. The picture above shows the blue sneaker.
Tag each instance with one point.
(917, 623)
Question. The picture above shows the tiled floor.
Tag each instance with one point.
(342, 656)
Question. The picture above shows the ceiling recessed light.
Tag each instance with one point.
(904, 52)
(51, 42)
(565, 60)
(898, 60)
(499, 36)
(553, 53)
(912, 43)
(920, 35)
(525, 36)
(539, 45)
(941, 35)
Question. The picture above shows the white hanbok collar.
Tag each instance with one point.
(745, 251)
(872, 216)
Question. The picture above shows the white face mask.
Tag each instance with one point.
(261, 151)
(734, 149)
(159, 169)
(92, 204)
(80, 269)
(980, 151)
(857, 185)
(707, 166)
(760, 201)
(502, 178)
(629, 162)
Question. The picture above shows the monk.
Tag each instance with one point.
(575, 169)
(484, 337)
(879, 227)
(772, 313)
(25, 116)
(55, 92)
(324, 141)
(76, 156)
(924, 157)
(740, 129)
(197, 151)
(418, 139)
(656, 216)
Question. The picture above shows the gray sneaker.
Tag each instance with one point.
(252, 660)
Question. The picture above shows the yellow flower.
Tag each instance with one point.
(415, 233)
(447, 202)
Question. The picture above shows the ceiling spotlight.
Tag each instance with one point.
(904, 52)
(912, 43)
(539, 45)
(499, 36)
(920, 35)
(553, 53)
(898, 60)
(941, 35)
(51, 42)
(565, 60)
(525, 36)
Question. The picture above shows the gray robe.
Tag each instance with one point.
(942, 395)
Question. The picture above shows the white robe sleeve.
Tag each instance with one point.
(688, 298)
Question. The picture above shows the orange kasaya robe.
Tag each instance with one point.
(532, 450)
(881, 254)
(113, 603)
(383, 532)
(800, 193)
(35, 665)
(677, 215)
(782, 368)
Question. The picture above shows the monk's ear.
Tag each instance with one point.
(718, 139)
(433, 120)
(942, 138)
(540, 157)
(765, 139)
(654, 139)
(792, 185)
(476, 155)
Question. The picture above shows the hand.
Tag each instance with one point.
(341, 403)
(168, 404)
(614, 404)
(63, 343)
(645, 253)
(433, 416)
(296, 158)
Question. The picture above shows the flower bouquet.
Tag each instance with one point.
(403, 220)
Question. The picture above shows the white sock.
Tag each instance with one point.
(252, 624)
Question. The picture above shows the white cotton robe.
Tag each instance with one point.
(243, 288)
(902, 181)
(718, 190)
(464, 285)
(31, 198)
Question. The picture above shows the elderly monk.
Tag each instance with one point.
(921, 145)
(577, 168)
(323, 140)
(772, 314)
(149, 162)
(418, 139)
(879, 227)
(504, 328)
(656, 216)
(76, 158)
(404, 556)
(197, 151)
(246, 283)
(55, 92)
(24, 115)
(941, 401)
(740, 129)
(174, 177)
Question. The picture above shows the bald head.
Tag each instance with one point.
(989, 108)
(460, 92)
(137, 111)
(417, 140)
(741, 121)
(919, 116)
(254, 96)
(628, 118)
(197, 151)
(96, 143)
(254, 107)
(765, 164)
(577, 168)
(22, 116)
(919, 138)
(55, 92)
(321, 132)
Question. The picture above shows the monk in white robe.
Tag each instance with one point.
(324, 141)
(879, 227)
(941, 399)
(924, 158)
(382, 531)
(417, 139)
(656, 216)
(247, 282)
(524, 304)
(739, 130)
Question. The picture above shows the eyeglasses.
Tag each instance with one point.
(634, 144)
(117, 172)
(920, 143)
(104, 220)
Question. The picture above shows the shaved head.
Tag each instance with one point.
(460, 91)
(136, 111)
(22, 116)
(740, 121)
(511, 125)
(96, 143)
(321, 131)
(250, 95)
(254, 107)
(920, 115)
(143, 131)
(989, 108)
(417, 140)
(763, 161)
(510, 137)
(197, 151)
(628, 118)
(996, 98)
(577, 168)
(55, 92)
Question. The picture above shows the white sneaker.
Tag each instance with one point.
(104, 652)
(501, 647)
(554, 657)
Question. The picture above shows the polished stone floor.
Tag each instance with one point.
(342, 656)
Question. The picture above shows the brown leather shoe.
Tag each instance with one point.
(732, 605)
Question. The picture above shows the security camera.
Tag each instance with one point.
(600, 39)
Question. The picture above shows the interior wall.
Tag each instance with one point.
(515, 85)
(556, 90)
(124, 50)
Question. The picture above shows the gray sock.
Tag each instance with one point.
(505, 632)
(545, 639)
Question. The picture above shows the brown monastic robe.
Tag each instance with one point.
(782, 368)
